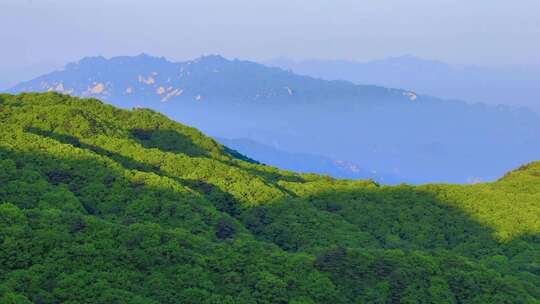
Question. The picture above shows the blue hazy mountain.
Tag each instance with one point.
(414, 137)
(509, 85)
(305, 163)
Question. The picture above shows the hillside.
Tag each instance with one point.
(413, 137)
(102, 205)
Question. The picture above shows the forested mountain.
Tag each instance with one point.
(102, 205)
(413, 137)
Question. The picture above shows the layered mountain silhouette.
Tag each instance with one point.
(414, 137)
(212, 79)
(305, 163)
(494, 85)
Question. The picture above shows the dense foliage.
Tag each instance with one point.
(101, 205)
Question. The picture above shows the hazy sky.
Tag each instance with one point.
(37, 35)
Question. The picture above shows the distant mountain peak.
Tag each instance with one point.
(98, 62)
(145, 55)
(212, 58)
(86, 61)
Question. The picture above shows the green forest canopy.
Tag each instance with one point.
(102, 205)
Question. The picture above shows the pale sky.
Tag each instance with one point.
(38, 35)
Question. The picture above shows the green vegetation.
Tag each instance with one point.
(101, 205)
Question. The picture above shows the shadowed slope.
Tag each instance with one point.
(86, 206)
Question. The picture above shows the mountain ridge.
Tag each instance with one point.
(493, 85)
(414, 137)
(208, 63)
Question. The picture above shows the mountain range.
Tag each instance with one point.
(516, 86)
(414, 137)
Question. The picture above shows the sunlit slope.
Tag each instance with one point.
(101, 205)
(510, 206)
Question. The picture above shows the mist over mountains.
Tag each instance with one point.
(304, 162)
(414, 137)
(505, 85)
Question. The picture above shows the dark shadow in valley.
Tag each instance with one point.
(400, 217)
(222, 200)
(168, 141)
(343, 228)
(175, 142)
(126, 162)
(105, 192)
